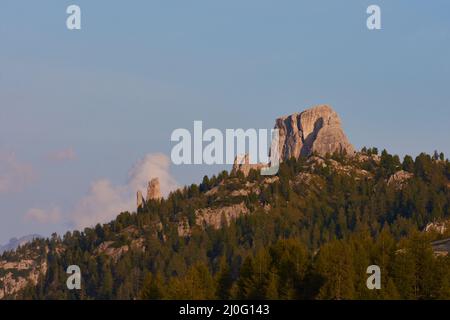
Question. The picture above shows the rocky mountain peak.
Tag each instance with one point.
(154, 190)
(315, 130)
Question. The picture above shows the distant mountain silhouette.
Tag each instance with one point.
(14, 243)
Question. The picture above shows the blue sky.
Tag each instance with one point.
(83, 113)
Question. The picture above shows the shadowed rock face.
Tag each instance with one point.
(140, 200)
(314, 130)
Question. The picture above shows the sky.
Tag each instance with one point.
(86, 115)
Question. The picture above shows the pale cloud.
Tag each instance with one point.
(53, 215)
(103, 203)
(155, 165)
(105, 200)
(14, 175)
(63, 155)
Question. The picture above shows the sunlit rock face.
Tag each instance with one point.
(316, 130)
(154, 190)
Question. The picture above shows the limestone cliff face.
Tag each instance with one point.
(216, 217)
(154, 190)
(213, 217)
(439, 227)
(316, 130)
(16, 275)
(399, 179)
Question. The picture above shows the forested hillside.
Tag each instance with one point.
(308, 233)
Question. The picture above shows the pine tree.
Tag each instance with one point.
(408, 164)
(224, 281)
(335, 266)
(152, 288)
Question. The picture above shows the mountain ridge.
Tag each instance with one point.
(321, 210)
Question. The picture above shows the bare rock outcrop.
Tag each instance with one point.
(438, 227)
(110, 250)
(399, 178)
(363, 157)
(318, 162)
(184, 230)
(140, 201)
(16, 275)
(316, 130)
(213, 217)
(154, 190)
(242, 164)
(216, 217)
(153, 193)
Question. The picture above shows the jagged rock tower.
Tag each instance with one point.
(314, 130)
(154, 190)
(140, 201)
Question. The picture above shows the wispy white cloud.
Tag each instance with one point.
(156, 165)
(14, 174)
(105, 200)
(63, 155)
(53, 215)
